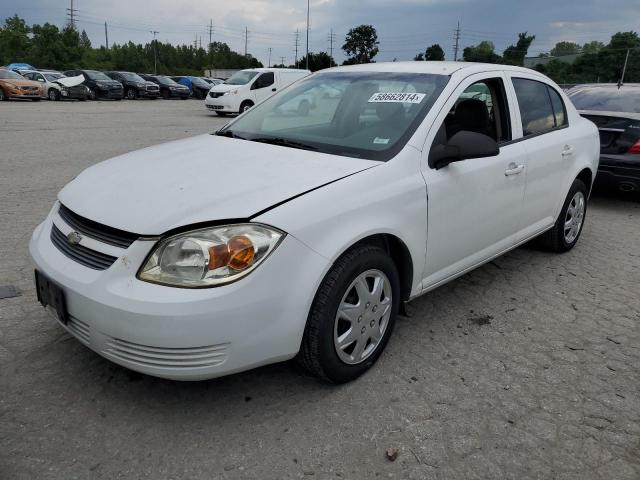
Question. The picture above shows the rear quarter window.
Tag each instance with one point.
(535, 106)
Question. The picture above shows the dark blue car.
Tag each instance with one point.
(196, 85)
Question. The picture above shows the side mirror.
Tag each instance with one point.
(462, 146)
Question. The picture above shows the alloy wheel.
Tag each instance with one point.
(363, 316)
(574, 217)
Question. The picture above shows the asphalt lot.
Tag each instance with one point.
(528, 367)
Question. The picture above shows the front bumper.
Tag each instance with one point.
(109, 93)
(183, 334)
(220, 104)
(619, 172)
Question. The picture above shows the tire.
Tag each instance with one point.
(320, 352)
(198, 94)
(562, 237)
(303, 108)
(92, 94)
(246, 105)
(131, 94)
(53, 95)
(3, 97)
(165, 94)
(83, 99)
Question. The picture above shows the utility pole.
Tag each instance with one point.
(456, 46)
(282, 60)
(210, 32)
(246, 40)
(106, 36)
(269, 57)
(71, 14)
(195, 41)
(155, 52)
(307, 62)
(332, 37)
(624, 69)
(200, 40)
(297, 45)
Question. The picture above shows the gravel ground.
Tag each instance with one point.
(528, 367)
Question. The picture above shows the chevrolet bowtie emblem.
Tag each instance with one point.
(74, 238)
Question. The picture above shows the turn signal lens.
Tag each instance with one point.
(218, 256)
(242, 252)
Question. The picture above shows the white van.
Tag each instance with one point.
(247, 87)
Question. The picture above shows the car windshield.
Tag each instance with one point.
(9, 75)
(359, 114)
(199, 82)
(52, 77)
(166, 81)
(94, 75)
(240, 78)
(132, 77)
(609, 99)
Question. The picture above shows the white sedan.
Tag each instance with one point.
(284, 236)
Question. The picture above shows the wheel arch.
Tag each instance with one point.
(586, 175)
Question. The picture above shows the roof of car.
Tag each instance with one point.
(438, 68)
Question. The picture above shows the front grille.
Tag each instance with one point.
(215, 94)
(152, 88)
(160, 357)
(29, 89)
(97, 231)
(83, 255)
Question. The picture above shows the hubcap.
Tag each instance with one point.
(52, 95)
(363, 316)
(574, 217)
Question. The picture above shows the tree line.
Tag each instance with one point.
(47, 46)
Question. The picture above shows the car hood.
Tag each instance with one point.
(223, 87)
(18, 82)
(200, 179)
(70, 81)
(603, 113)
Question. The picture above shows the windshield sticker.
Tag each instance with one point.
(396, 97)
(380, 141)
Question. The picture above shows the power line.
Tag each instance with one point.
(71, 14)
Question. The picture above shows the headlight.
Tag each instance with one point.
(211, 256)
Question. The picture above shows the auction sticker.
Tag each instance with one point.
(396, 97)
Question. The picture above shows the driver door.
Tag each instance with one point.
(474, 205)
(263, 87)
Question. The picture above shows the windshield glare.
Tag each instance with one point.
(365, 114)
(166, 81)
(240, 78)
(607, 99)
(93, 75)
(53, 76)
(8, 74)
(133, 77)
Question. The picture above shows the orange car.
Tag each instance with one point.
(13, 85)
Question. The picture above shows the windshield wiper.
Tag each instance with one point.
(285, 143)
(228, 133)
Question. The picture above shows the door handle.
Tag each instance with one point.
(513, 169)
(567, 151)
(273, 89)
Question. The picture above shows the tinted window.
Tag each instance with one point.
(558, 107)
(264, 80)
(611, 99)
(535, 106)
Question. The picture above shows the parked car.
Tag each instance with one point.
(212, 81)
(616, 112)
(14, 85)
(16, 67)
(99, 84)
(197, 86)
(168, 88)
(281, 237)
(135, 86)
(247, 87)
(57, 86)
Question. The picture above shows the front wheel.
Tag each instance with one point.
(566, 231)
(92, 94)
(352, 315)
(53, 94)
(132, 94)
(246, 105)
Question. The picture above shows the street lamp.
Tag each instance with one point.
(155, 52)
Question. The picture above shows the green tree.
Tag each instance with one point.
(565, 48)
(419, 57)
(361, 44)
(434, 52)
(317, 61)
(592, 47)
(514, 54)
(14, 40)
(483, 52)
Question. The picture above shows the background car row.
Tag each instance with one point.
(27, 82)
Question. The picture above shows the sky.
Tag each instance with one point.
(405, 27)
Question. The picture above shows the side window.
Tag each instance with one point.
(536, 111)
(264, 80)
(481, 108)
(28, 76)
(558, 107)
(39, 77)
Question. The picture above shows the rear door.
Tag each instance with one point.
(542, 129)
(474, 205)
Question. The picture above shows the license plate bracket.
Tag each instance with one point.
(50, 294)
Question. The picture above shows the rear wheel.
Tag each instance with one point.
(566, 231)
(352, 315)
(92, 94)
(53, 94)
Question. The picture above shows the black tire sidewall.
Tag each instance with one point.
(246, 105)
(334, 368)
(577, 186)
